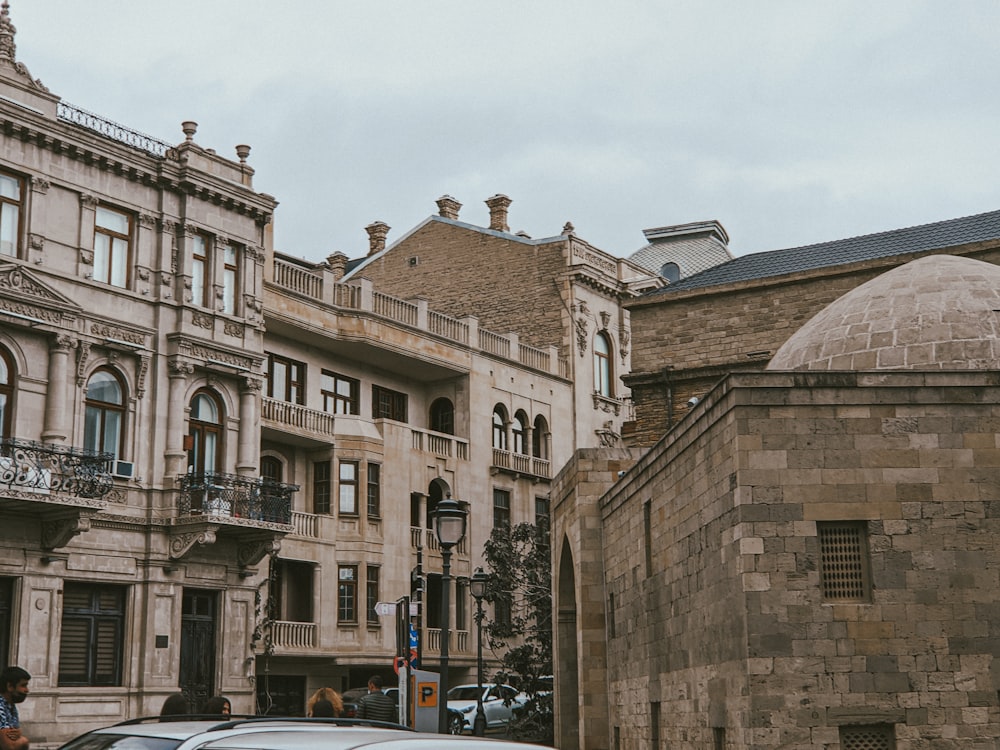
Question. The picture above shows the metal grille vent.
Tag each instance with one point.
(843, 552)
(873, 737)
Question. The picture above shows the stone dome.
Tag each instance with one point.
(940, 312)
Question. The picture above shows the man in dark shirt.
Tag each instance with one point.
(376, 706)
(13, 690)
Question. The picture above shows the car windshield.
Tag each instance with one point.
(103, 741)
(463, 693)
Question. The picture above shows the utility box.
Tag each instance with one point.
(424, 697)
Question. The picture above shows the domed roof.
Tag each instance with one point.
(940, 312)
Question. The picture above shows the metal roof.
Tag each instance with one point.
(935, 236)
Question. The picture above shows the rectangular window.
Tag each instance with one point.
(6, 609)
(230, 280)
(388, 404)
(348, 477)
(199, 269)
(541, 511)
(112, 245)
(461, 599)
(845, 575)
(374, 491)
(867, 737)
(347, 593)
(340, 394)
(93, 619)
(286, 379)
(371, 593)
(501, 508)
(321, 486)
(10, 214)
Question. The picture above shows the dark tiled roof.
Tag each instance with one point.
(936, 236)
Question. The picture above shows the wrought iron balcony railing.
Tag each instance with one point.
(29, 468)
(231, 495)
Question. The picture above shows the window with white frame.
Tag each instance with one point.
(112, 246)
(11, 191)
(348, 487)
(199, 269)
(602, 365)
(230, 278)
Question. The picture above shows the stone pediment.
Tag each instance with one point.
(23, 293)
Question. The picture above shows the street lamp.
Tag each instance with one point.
(449, 525)
(477, 585)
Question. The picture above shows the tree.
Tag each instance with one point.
(520, 632)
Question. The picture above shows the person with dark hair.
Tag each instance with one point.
(13, 690)
(376, 705)
(175, 705)
(217, 704)
(323, 708)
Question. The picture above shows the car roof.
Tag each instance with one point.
(351, 738)
(175, 730)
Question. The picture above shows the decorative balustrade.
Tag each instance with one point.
(293, 635)
(111, 129)
(296, 416)
(440, 444)
(317, 284)
(427, 539)
(458, 641)
(305, 524)
(230, 495)
(521, 463)
(45, 469)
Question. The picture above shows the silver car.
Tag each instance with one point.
(498, 704)
(272, 733)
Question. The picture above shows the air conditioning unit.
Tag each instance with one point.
(124, 469)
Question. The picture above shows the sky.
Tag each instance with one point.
(788, 121)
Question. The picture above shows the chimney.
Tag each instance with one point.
(377, 231)
(498, 212)
(338, 264)
(448, 207)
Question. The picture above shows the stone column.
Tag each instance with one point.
(56, 429)
(249, 439)
(175, 455)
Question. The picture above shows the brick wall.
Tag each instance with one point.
(508, 283)
(683, 343)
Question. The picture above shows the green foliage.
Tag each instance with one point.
(520, 631)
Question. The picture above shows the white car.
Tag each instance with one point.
(273, 733)
(498, 704)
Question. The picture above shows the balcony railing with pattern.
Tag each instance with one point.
(297, 417)
(521, 463)
(53, 473)
(226, 496)
(458, 642)
(293, 636)
(440, 444)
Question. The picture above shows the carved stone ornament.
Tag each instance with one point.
(181, 544)
(180, 368)
(82, 355)
(624, 339)
(607, 405)
(88, 201)
(232, 328)
(252, 385)
(607, 436)
(40, 185)
(581, 335)
(140, 385)
(253, 551)
(605, 319)
(36, 241)
(202, 320)
(86, 257)
(57, 532)
(147, 220)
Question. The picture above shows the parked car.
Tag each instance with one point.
(455, 718)
(271, 733)
(351, 698)
(498, 704)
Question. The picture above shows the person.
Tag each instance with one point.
(13, 690)
(175, 705)
(325, 694)
(217, 704)
(323, 708)
(376, 706)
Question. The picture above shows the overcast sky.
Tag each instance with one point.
(790, 122)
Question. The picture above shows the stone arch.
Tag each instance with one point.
(567, 666)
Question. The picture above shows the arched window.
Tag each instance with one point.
(540, 438)
(6, 392)
(602, 365)
(271, 468)
(670, 271)
(519, 431)
(443, 416)
(500, 428)
(205, 431)
(103, 424)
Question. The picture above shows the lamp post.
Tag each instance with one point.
(477, 586)
(449, 525)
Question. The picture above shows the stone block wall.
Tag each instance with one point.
(730, 632)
